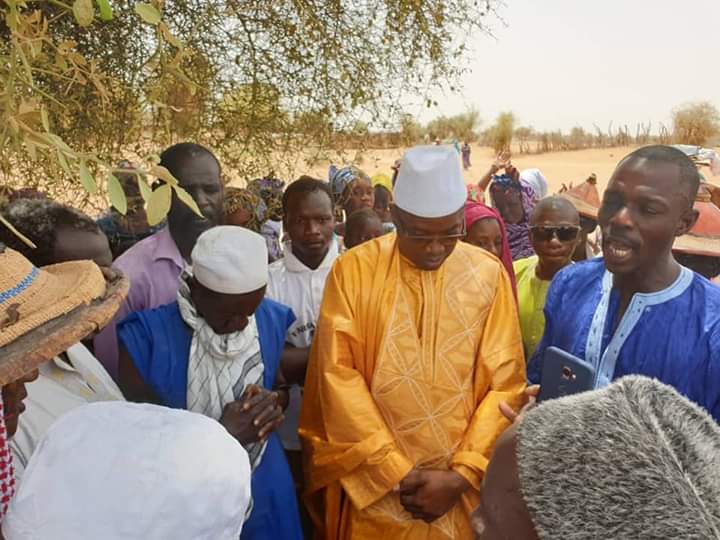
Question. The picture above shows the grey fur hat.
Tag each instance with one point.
(635, 460)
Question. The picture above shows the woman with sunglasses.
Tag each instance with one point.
(554, 234)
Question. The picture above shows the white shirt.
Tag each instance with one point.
(59, 388)
(300, 288)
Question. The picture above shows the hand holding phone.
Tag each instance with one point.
(564, 374)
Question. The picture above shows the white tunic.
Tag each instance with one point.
(295, 285)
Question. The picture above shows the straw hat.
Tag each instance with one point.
(585, 197)
(704, 238)
(43, 311)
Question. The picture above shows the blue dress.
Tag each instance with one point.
(158, 341)
(672, 335)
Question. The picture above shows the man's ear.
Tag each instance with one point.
(687, 221)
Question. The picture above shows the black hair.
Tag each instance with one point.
(39, 220)
(705, 265)
(174, 156)
(383, 197)
(303, 186)
(659, 153)
(554, 202)
(360, 217)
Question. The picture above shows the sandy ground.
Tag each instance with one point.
(558, 167)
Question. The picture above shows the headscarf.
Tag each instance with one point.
(474, 212)
(341, 182)
(7, 470)
(518, 233)
(270, 190)
(535, 179)
(384, 180)
(633, 460)
(239, 198)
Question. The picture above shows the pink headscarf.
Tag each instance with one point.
(475, 211)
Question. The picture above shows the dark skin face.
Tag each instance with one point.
(367, 230)
(553, 254)
(502, 514)
(430, 253)
(200, 177)
(77, 245)
(310, 223)
(486, 234)
(13, 395)
(362, 195)
(225, 313)
(645, 207)
(508, 204)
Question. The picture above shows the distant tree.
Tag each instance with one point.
(696, 123)
(411, 132)
(461, 126)
(523, 134)
(501, 133)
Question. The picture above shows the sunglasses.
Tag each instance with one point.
(564, 233)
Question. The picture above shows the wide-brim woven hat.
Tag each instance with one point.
(704, 238)
(43, 311)
(585, 198)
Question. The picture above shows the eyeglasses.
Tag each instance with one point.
(565, 233)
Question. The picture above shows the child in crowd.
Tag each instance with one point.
(362, 226)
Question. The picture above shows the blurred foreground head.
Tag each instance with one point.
(633, 460)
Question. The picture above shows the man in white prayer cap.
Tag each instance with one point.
(123, 471)
(216, 351)
(635, 460)
(417, 344)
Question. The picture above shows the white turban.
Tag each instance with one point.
(634, 460)
(430, 182)
(535, 179)
(230, 260)
(125, 471)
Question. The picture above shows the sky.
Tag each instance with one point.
(563, 63)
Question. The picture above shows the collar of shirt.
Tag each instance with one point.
(293, 264)
(166, 248)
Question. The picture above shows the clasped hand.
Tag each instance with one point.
(428, 494)
(254, 416)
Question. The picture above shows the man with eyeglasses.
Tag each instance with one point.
(636, 310)
(554, 233)
(417, 344)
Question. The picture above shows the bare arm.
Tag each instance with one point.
(293, 364)
(133, 387)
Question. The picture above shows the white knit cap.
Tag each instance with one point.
(126, 471)
(230, 260)
(430, 182)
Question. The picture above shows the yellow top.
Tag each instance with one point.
(407, 369)
(531, 291)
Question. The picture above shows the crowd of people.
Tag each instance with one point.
(358, 357)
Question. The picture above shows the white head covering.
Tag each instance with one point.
(430, 182)
(536, 180)
(230, 260)
(125, 471)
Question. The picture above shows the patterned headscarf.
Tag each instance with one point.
(239, 198)
(270, 190)
(474, 212)
(341, 182)
(518, 233)
(7, 470)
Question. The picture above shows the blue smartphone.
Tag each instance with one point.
(564, 374)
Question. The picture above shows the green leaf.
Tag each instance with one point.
(64, 163)
(145, 189)
(116, 194)
(86, 179)
(159, 204)
(163, 174)
(187, 199)
(106, 12)
(83, 11)
(147, 13)
(44, 118)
